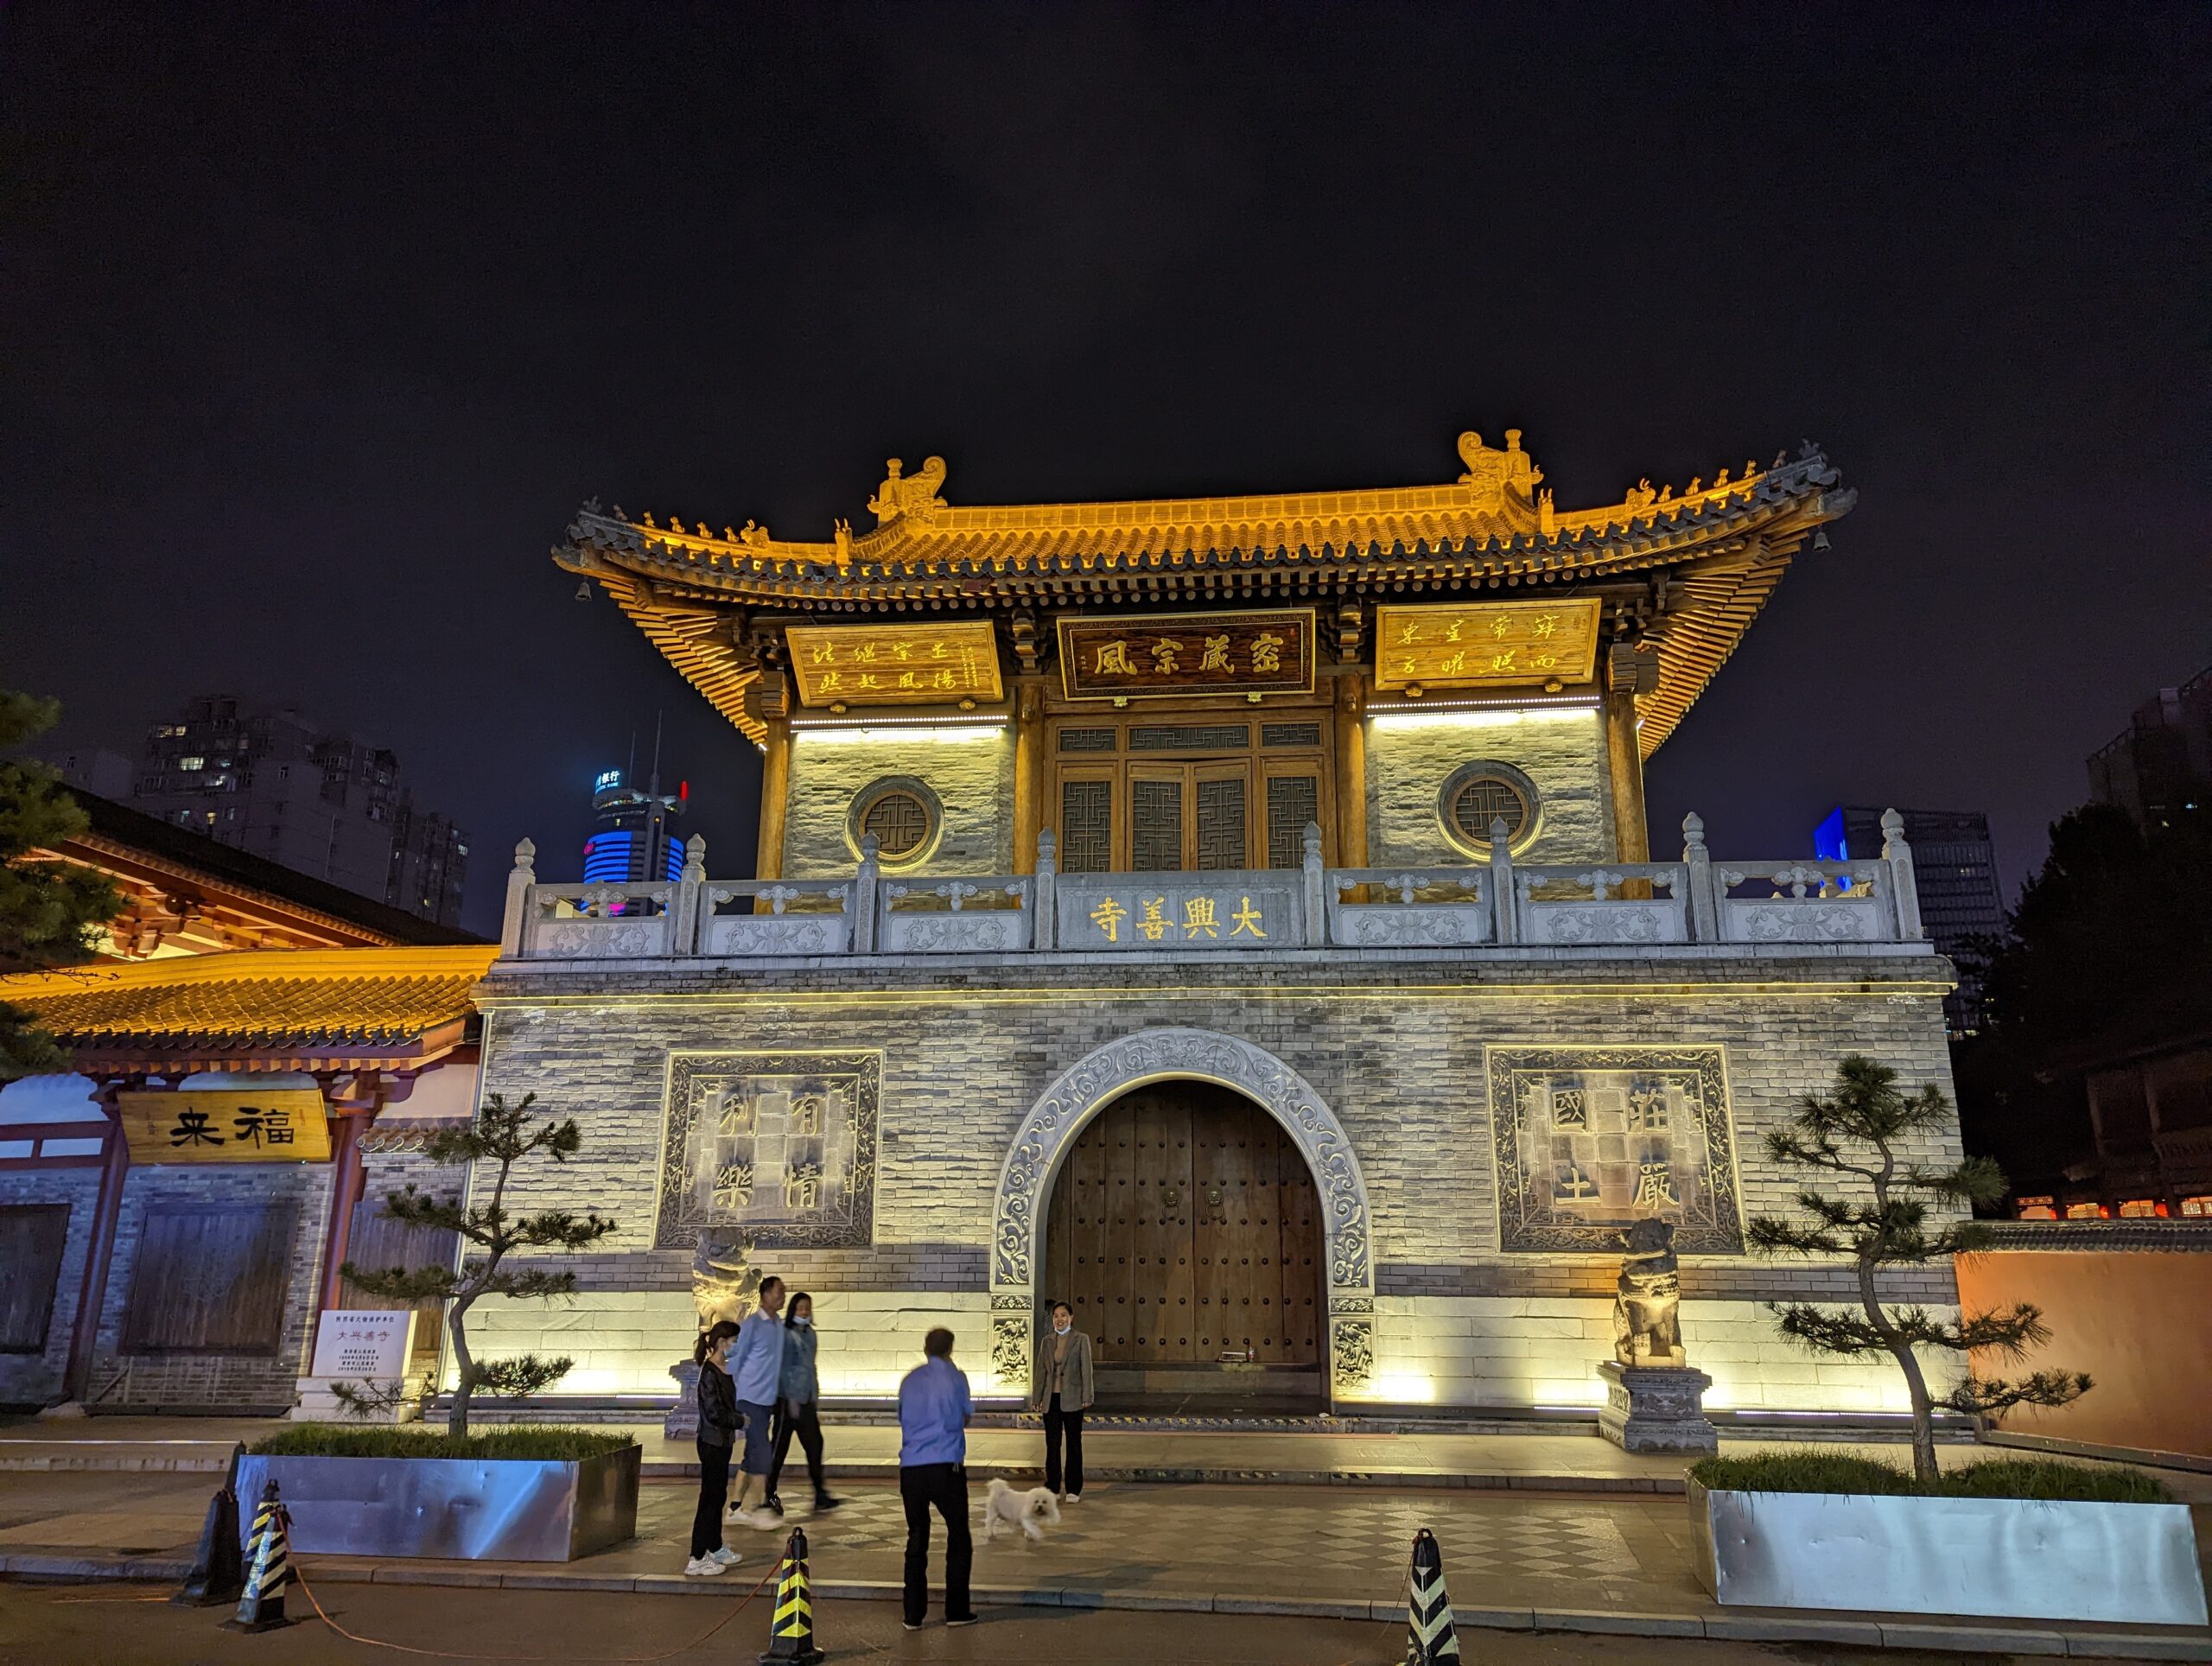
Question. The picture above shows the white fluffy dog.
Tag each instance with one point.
(1028, 1510)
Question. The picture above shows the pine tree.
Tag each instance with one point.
(1855, 1134)
(51, 912)
(501, 1134)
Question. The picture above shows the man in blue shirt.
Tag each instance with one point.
(934, 1407)
(756, 1361)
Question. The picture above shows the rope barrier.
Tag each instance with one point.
(441, 1654)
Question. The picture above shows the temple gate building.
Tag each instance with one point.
(1235, 916)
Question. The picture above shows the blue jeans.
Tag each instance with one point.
(756, 1457)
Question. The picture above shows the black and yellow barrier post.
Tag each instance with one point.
(791, 1634)
(268, 1568)
(1428, 1608)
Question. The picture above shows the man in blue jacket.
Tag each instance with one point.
(756, 1361)
(934, 1407)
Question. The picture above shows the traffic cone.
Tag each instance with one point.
(791, 1634)
(1429, 1609)
(217, 1574)
(260, 1608)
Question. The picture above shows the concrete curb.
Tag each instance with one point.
(1963, 1637)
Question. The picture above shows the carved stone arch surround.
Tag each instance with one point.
(1095, 1081)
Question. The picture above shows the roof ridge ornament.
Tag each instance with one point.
(915, 495)
(1487, 466)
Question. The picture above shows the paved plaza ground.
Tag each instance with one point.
(1562, 1533)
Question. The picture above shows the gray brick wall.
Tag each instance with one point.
(35, 1379)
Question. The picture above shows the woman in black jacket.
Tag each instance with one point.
(718, 1426)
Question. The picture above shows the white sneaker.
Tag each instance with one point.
(701, 1567)
(1072, 1498)
(725, 1555)
(764, 1521)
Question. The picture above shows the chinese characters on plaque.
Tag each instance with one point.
(363, 1342)
(1486, 645)
(1126, 911)
(1138, 655)
(1588, 1140)
(780, 1146)
(894, 665)
(225, 1125)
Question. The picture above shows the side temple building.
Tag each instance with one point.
(1235, 916)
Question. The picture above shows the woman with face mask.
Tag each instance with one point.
(796, 1408)
(1062, 1389)
(718, 1423)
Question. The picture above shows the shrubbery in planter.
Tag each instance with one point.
(2046, 1480)
(500, 1134)
(1855, 1135)
(527, 1442)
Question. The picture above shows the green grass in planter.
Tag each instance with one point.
(1821, 1472)
(525, 1440)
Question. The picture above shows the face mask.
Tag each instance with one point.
(804, 1321)
(1059, 1329)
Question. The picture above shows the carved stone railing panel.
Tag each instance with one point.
(989, 914)
(803, 918)
(1806, 902)
(1228, 908)
(595, 922)
(1615, 921)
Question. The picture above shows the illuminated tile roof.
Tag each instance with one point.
(274, 1008)
(1723, 546)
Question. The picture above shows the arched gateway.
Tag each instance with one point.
(1049, 1133)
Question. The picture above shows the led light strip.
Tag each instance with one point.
(987, 721)
(1587, 702)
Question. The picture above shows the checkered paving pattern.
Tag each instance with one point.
(1484, 1541)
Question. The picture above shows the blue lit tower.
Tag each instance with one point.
(636, 840)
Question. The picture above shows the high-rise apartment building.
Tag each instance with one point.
(1955, 866)
(274, 784)
(2159, 768)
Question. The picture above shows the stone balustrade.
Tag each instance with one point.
(1495, 905)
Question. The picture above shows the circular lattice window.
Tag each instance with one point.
(901, 815)
(1477, 797)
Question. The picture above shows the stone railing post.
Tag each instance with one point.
(1704, 902)
(520, 878)
(1044, 918)
(1317, 899)
(1904, 890)
(1505, 911)
(684, 930)
(861, 897)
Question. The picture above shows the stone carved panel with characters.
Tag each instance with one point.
(1588, 1140)
(779, 1146)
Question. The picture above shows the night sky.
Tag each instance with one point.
(319, 322)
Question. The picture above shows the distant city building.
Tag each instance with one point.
(104, 775)
(274, 784)
(1955, 866)
(2159, 768)
(636, 840)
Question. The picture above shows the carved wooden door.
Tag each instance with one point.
(1184, 1229)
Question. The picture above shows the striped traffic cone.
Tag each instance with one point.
(217, 1575)
(1429, 1609)
(268, 1568)
(791, 1634)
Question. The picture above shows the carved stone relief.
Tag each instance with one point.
(1588, 1140)
(778, 1149)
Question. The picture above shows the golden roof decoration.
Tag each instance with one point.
(334, 1001)
(1722, 547)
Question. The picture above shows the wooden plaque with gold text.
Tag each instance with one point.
(1486, 645)
(915, 664)
(1139, 656)
(226, 1125)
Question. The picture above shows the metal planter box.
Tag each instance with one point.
(2010, 1558)
(470, 1508)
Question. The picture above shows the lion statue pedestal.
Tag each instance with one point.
(1654, 1400)
(724, 1285)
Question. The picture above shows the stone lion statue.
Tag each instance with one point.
(723, 1279)
(1647, 1299)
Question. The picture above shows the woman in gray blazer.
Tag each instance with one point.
(1061, 1390)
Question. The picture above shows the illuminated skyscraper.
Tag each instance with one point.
(636, 840)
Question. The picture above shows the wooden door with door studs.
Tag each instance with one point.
(1185, 1230)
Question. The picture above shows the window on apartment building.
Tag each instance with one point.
(195, 761)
